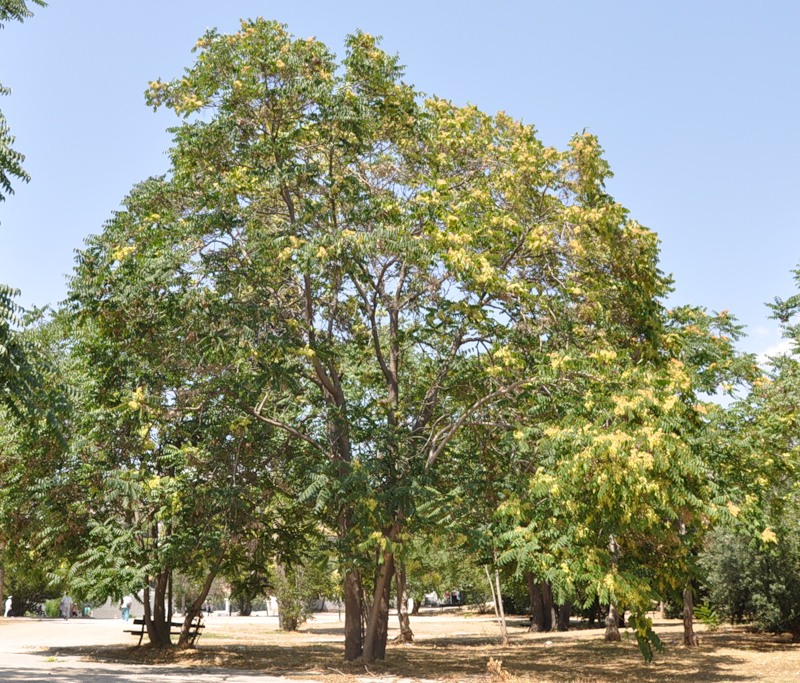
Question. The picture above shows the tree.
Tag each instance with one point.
(180, 479)
(34, 429)
(752, 561)
(371, 274)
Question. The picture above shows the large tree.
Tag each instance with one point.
(381, 271)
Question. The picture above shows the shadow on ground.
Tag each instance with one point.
(448, 658)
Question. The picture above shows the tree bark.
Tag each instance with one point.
(563, 616)
(378, 620)
(547, 606)
(196, 608)
(612, 624)
(537, 607)
(503, 629)
(155, 615)
(497, 600)
(353, 633)
(2, 578)
(689, 638)
(406, 634)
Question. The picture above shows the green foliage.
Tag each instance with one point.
(17, 10)
(749, 579)
(647, 639)
(52, 608)
(297, 587)
(707, 614)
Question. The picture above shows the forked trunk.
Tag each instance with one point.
(689, 638)
(612, 624)
(155, 618)
(406, 634)
(378, 620)
(497, 601)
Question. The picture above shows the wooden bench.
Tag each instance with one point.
(175, 627)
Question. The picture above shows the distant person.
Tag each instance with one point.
(125, 607)
(7, 610)
(65, 606)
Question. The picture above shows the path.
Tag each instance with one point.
(30, 653)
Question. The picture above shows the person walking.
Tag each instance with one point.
(66, 607)
(7, 610)
(125, 607)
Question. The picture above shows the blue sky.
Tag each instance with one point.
(696, 104)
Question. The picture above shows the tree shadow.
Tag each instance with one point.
(458, 658)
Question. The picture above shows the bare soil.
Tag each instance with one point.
(449, 646)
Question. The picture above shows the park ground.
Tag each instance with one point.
(450, 646)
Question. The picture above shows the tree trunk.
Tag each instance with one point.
(594, 612)
(196, 608)
(497, 600)
(2, 580)
(612, 624)
(689, 638)
(563, 616)
(547, 606)
(406, 634)
(537, 609)
(503, 629)
(378, 620)
(353, 633)
(155, 615)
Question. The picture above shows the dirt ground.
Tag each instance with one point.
(450, 646)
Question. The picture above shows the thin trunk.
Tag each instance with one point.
(3, 575)
(612, 624)
(497, 602)
(169, 599)
(353, 633)
(382, 626)
(406, 634)
(377, 622)
(503, 629)
(689, 638)
(196, 608)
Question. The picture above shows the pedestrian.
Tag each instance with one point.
(7, 611)
(66, 606)
(125, 607)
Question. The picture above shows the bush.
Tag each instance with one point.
(52, 608)
(751, 580)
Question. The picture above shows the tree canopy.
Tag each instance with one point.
(350, 317)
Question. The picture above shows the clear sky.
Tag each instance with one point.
(695, 102)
